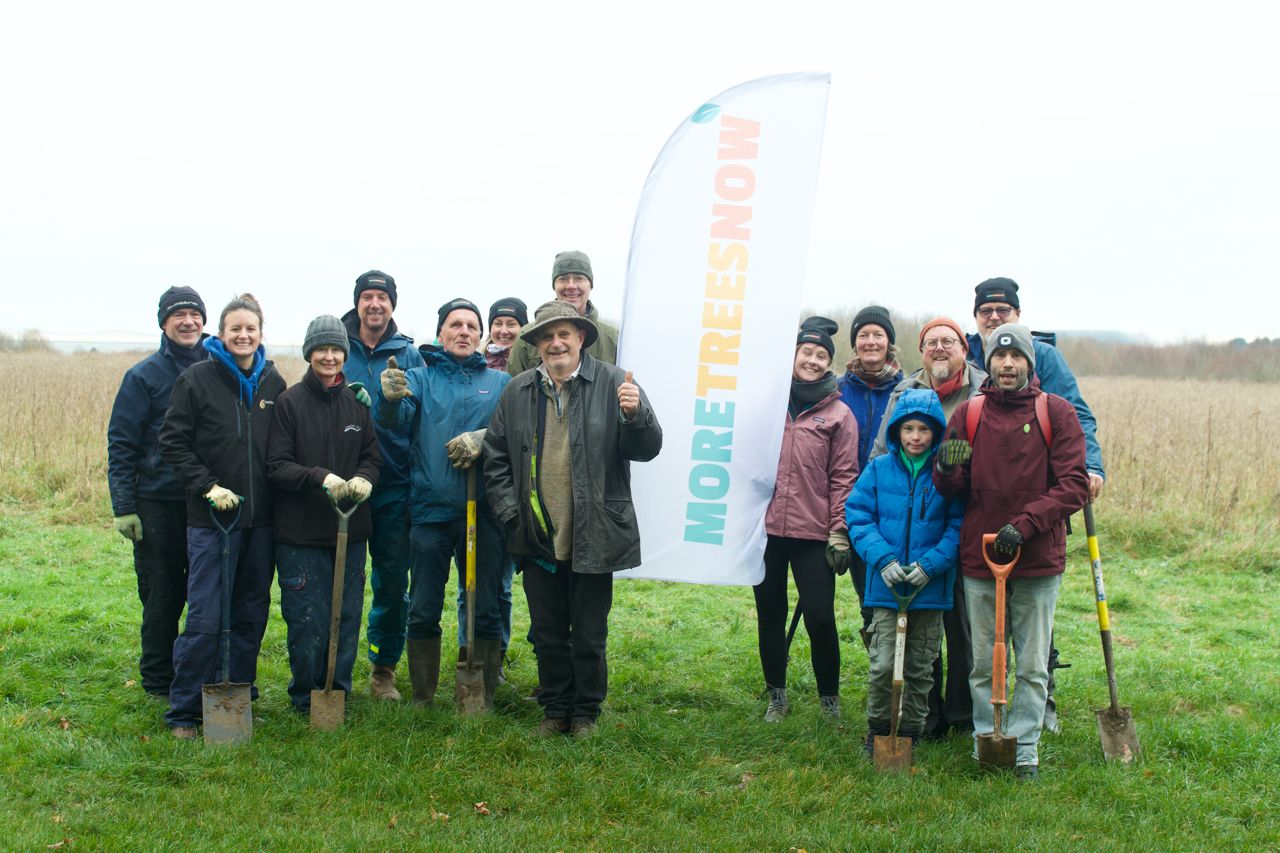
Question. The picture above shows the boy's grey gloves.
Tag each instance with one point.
(465, 448)
(362, 396)
(395, 387)
(893, 573)
(954, 451)
(1008, 541)
(916, 576)
(839, 554)
(129, 526)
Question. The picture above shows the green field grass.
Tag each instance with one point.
(681, 761)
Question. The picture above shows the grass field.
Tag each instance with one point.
(1190, 548)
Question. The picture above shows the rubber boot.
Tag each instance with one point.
(489, 654)
(424, 669)
(382, 683)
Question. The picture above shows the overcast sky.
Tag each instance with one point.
(1119, 160)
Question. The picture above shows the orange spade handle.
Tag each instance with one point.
(999, 654)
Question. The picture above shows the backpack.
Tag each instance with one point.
(973, 414)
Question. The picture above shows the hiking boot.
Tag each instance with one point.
(462, 654)
(382, 683)
(873, 728)
(184, 732)
(552, 726)
(778, 707)
(424, 669)
(830, 706)
(1026, 772)
(582, 728)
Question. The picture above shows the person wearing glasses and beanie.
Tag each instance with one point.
(946, 372)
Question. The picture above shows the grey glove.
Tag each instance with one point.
(839, 554)
(916, 576)
(465, 448)
(395, 387)
(893, 573)
(222, 499)
(335, 486)
(358, 489)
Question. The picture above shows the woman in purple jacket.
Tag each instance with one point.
(805, 521)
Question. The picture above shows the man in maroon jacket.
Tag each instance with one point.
(1022, 479)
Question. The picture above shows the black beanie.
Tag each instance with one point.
(511, 306)
(872, 315)
(454, 305)
(996, 290)
(177, 297)
(818, 330)
(376, 280)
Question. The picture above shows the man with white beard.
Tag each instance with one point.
(945, 372)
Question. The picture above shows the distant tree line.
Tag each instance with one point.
(29, 341)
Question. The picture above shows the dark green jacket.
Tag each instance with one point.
(606, 537)
(525, 355)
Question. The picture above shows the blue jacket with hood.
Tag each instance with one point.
(868, 404)
(1056, 378)
(449, 397)
(365, 366)
(893, 516)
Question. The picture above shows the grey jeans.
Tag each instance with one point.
(1029, 625)
(924, 636)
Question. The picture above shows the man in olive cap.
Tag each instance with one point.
(148, 501)
(572, 281)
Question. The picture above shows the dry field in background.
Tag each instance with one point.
(1183, 456)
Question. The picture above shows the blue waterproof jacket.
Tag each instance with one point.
(365, 366)
(448, 397)
(868, 403)
(134, 467)
(1056, 378)
(892, 516)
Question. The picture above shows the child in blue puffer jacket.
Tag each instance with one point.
(909, 537)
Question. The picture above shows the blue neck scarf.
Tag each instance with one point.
(248, 384)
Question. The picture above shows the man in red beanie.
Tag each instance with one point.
(954, 380)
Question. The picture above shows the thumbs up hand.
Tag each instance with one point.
(395, 387)
(628, 396)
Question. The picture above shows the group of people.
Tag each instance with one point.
(897, 479)
(880, 475)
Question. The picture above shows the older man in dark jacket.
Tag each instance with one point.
(557, 474)
(1021, 465)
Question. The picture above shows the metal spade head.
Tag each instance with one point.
(997, 750)
(468, 690)
(1119, 737)
(892, 754)
(328, 709)
(228, 712)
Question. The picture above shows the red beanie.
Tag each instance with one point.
(949, 323)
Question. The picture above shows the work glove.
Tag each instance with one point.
(954, 451)
(129, 526)
(839, 555)
(465, 448)
(222, 499)
(362, 396)
(1008, 541)
(893, 573)
(358, 489)
(335, 486)
(395, 387)
(916, 576)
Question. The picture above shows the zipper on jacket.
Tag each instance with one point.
(911, 498)
(248, 422)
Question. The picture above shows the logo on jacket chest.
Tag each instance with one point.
(351, 428)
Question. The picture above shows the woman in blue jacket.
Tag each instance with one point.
(909, 537)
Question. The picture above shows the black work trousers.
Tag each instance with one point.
(816, 587)
(160, 562)
(569, 621)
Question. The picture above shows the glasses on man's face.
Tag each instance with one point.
(1002, 312)
(941, 343)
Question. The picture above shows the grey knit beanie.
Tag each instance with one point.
(570, 262)
(325, 331)
(1011, 336)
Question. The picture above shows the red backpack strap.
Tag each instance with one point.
(1042, 417)
(973, 414)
